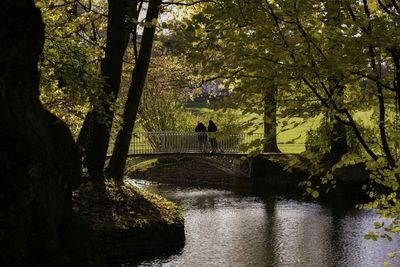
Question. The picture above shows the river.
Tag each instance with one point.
(227, 228)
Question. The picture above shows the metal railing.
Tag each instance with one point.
(192, 142)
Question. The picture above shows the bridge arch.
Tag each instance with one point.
(222, 170)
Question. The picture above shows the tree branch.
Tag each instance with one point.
(373, 79)
(350, 121)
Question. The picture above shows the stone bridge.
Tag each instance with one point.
(192, 168)
(212, 169)
(180, 156)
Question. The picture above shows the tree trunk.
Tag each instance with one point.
(117, 162)
(338, 131)
(270, 144)
(338, 139)
(82, 139)
(39, 161)
(102, 115)
(396, 61)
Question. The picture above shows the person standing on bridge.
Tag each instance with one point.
(211, 129)
(201, 136)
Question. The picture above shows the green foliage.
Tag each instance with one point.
(69, 68)
(167, 92)
(322, 133)
(164, 95)
(334, 57)
(344, 54)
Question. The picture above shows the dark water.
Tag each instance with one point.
(224, 228)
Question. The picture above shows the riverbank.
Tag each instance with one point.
(270, 173)
(130, 223)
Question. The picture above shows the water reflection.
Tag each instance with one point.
(229, 229)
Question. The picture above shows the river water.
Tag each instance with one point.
(226, 228)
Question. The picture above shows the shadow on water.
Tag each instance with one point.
(141, 260)
(225, 228)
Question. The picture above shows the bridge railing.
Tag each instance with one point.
(188, 142)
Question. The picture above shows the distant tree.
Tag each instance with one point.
(165, 93)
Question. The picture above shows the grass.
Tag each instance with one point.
(124, 206)
(292, 139)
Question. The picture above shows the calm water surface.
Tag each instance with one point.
(224, 228)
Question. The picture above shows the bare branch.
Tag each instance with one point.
(396, 6)
(354, 18)
(350, 121)
(385, 8)
(221, 76)
(374, 79)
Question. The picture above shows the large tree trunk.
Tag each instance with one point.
(270, 144)
(39, 161)
(100, 121)
(396, 61)
(83, 136)
(338, 140)
(117, 162)
(338, 137)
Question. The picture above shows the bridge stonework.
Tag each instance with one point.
(265, 172)
(211, 169)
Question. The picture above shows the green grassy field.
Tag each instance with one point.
(292, 139)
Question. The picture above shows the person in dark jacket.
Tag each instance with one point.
(201, 136)
(211, 129)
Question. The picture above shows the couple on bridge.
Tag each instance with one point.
(203, 132)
